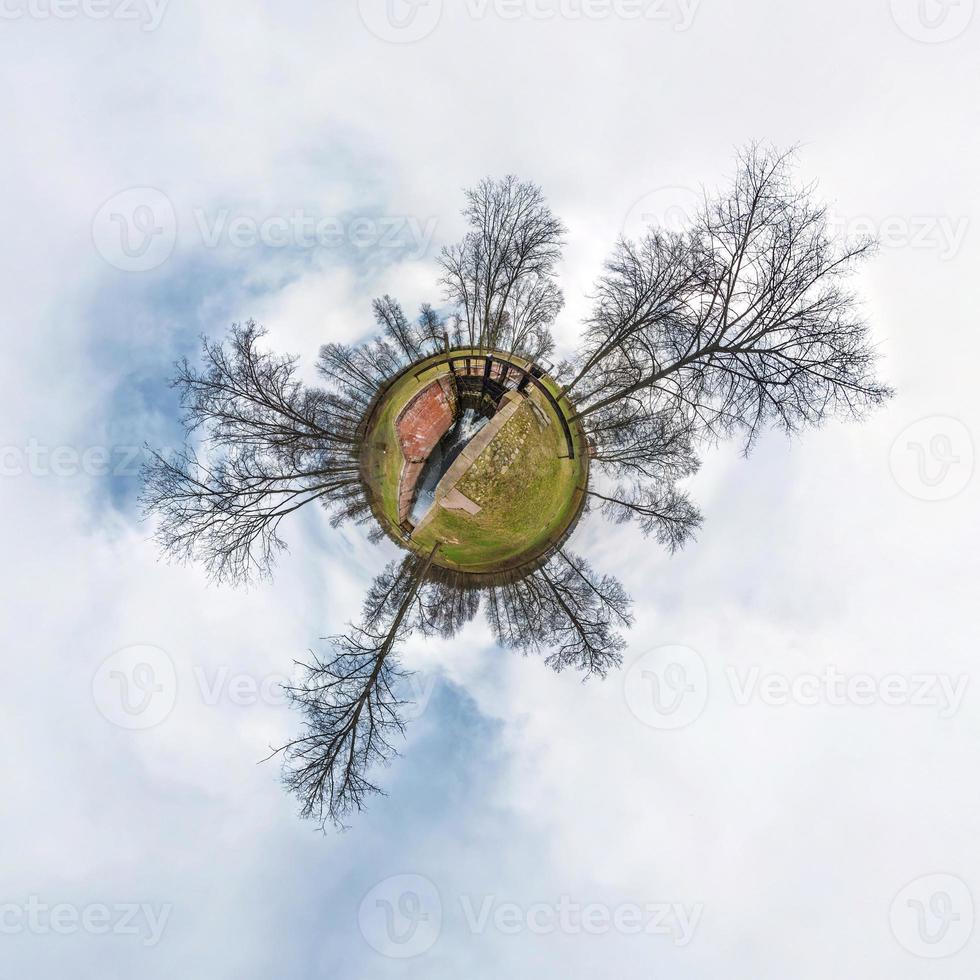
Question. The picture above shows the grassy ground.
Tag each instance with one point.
(527, 494)
(385, 457)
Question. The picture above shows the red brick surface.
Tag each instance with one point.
(421, 424)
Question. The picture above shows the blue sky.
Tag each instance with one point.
(806, 807)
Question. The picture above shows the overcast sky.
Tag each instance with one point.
(783, 780)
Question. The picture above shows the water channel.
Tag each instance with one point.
(467, 425)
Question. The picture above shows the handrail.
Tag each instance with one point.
(552, 401)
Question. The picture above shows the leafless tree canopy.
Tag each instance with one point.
(501, 278)
(352, 703)
(269, 445)
(743, 321)
(261, 444)
(740, 322)
(353, 699)
(566, 611)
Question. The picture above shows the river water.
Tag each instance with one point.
(442, 457)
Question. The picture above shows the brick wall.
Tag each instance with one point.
(420, 426)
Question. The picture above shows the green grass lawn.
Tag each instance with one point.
(385, 457)
(523, 509)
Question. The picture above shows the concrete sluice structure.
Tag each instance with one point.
(488, 386)
(436, 426)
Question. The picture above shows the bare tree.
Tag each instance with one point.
(412, 340)
(565, 610)
(501, 277)
(397, 327)
(628, 442)
(665, 512)
(269, 444)
(645, 284)
(433, 329)
(352, 703)
(272, 445)
(392, 587)
(445, 608)
(743, 321)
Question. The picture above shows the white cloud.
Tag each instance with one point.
(795, 825)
